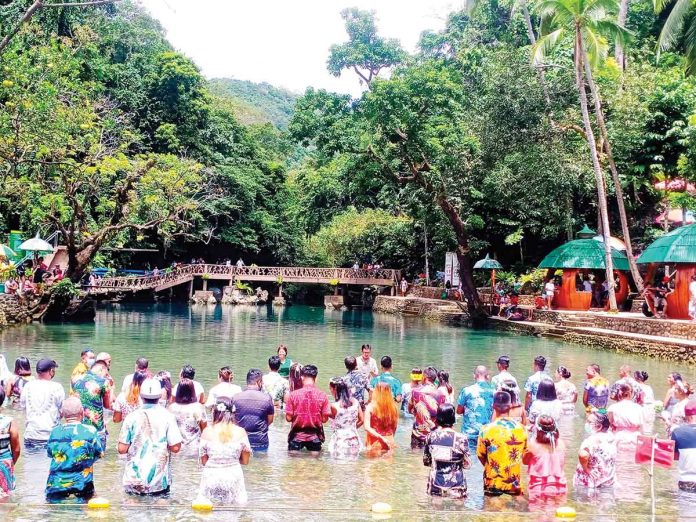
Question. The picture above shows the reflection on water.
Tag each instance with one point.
(305, 488)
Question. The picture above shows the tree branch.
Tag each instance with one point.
(39, 4)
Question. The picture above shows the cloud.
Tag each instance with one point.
(284, 42)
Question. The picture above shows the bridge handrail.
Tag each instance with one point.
(233, 271)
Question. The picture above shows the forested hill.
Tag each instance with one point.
(257, 102)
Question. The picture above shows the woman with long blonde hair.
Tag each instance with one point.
(224, 447)
(129, 400)
(381, 419)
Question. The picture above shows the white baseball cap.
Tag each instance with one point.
(151, 389)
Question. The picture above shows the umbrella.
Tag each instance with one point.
(7, 252)
(583, 253)
(36, 244)
(677, 246)
(615, 242)
(489, 264)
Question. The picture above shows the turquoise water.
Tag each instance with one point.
(305, 488)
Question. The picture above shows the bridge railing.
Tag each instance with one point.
(182, 272)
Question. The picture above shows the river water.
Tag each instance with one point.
(305, 488)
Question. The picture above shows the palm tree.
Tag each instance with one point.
(589, 23)
(673, 29)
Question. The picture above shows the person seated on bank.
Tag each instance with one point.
(73, 447)
(308, 409)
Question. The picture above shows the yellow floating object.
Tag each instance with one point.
(565, 512)
(202, 504)
(98, 503)
(381, 507)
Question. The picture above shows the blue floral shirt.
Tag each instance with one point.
(477, 401)
(532, 384)
(73, 448)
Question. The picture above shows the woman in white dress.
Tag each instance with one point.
(347, 417)
(626, 419)
(224, 448)
(190, 416)
(566, 391)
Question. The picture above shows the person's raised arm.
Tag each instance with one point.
(585, 399)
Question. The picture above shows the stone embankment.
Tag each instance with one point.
(437, 309)
(14, 310)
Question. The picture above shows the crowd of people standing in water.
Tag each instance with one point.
(504, 426)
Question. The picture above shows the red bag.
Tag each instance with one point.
(664, 451)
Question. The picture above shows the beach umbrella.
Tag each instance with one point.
(36, 244)
(488, 264)
(7, 252)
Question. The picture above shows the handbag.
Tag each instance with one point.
(663, 451)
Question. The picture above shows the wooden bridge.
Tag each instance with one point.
(281, 275)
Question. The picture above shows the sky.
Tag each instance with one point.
(285, 42)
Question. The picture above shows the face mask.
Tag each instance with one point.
(589, 429)
(90, 363)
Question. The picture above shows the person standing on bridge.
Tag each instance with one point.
(240, 263)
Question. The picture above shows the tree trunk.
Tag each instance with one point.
(594, 89)
(473, 301)
(618, 50)
(599, 176)
(532, 40)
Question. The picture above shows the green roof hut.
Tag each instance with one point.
(678, 248)
(578, 258)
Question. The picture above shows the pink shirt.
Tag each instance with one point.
(545, 468)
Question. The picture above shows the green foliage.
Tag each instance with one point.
(65, 289)
(243, 287)
(366, 52)
(370, 235)
(256, 103)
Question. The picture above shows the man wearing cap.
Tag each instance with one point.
(73, 447)
(86, 361)
(41, 400)
(148, 437)
(105, 357)
(501, 445)
(475, 402)
(504, 375)
(684, 438)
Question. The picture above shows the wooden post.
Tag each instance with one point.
(336, 290)
(393, 290)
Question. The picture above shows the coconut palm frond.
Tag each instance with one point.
(672, 30)
(544, 45)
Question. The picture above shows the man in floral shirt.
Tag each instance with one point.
(94, 392)
(73, 447)
(501, 445)
(357, 381)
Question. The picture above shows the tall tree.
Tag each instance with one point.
(365, 52)
(590, 24)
